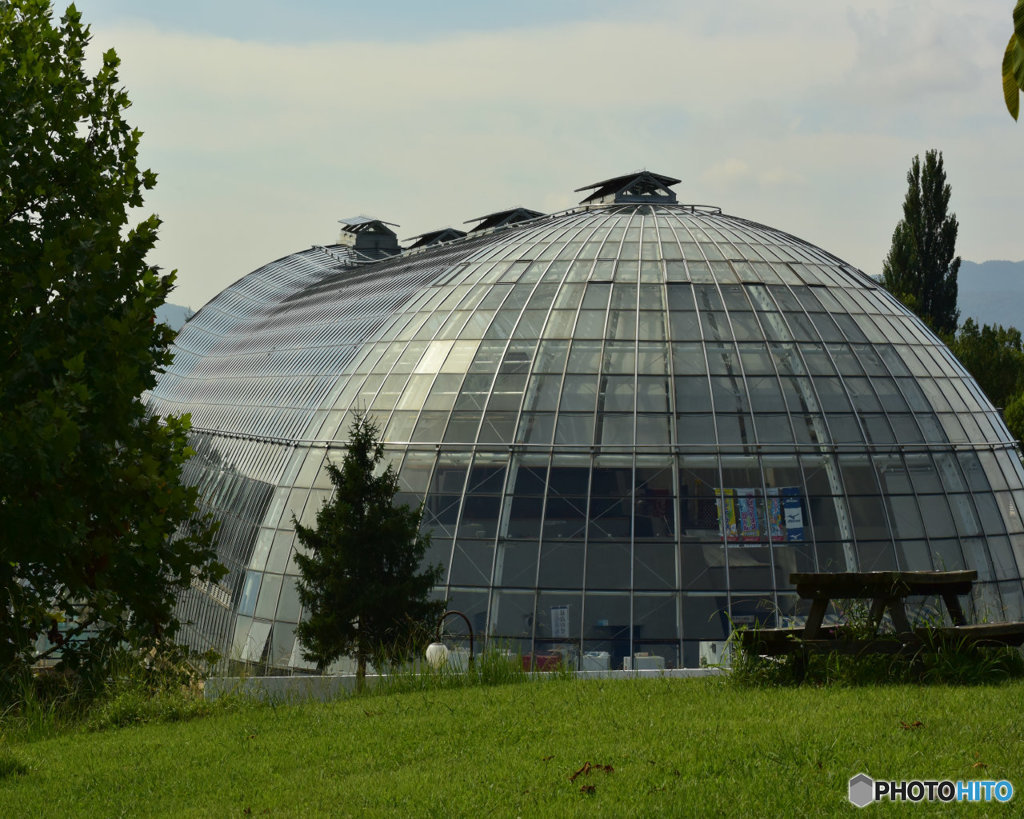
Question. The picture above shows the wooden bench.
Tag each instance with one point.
(887, 591)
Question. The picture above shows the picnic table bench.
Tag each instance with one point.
(887, 591)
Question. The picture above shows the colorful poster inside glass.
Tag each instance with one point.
(743, 518)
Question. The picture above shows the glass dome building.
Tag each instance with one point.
(628, 422)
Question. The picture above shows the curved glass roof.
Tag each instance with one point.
(628, 423)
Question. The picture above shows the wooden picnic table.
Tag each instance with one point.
(887, 591)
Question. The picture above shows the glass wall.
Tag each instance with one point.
(628, 425)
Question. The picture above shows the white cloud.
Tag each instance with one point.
(738, 173)
(801, 114)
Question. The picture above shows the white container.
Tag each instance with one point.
(644, 662)
(596, 661)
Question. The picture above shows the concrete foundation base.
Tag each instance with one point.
(301, 688)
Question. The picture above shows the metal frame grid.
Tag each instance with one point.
(648, 414)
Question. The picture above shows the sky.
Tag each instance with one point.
(268, 122)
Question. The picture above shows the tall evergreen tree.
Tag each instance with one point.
(920, 269)
(362, 585)
(90, 488)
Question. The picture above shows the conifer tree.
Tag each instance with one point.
(920, 269)
(362, 585)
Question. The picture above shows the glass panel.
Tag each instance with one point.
(551, 356)
(579, 392)
(288, 607)
(652, 430)
(471, 563)
(462, 428)
(479, 516)
(271, 587)
(619, 357)
(558, 621)
(618, 393)
(652, 394)
(517, 563)
(250, 591)
(497, 427)
(654, 499)
(565, 516)
(654, 565)
(789, 559)
(702, 565)
(281, 644)
(279, 552)
(574, 428)
(608, 565)
(512, 614)
(693, 394)
(705, 617)
(543, 393)
(415, 472)
(616, 429)
(525, 517)
(765, 393)
(584, 357)
(561, 564)
(609, 517)
(695, 430)
(606, 625)
(656, 618)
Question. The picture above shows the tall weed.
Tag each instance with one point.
(139, 687)
(937, 662)
(491, 667)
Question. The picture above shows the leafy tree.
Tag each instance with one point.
(1013, 63)
(920, 269)
(361, 581)
(90, 489)
(994, 355)
(1013, 415)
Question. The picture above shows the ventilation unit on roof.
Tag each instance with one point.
(435, 237)
(642, 186)
(371, 236)
(503, 218)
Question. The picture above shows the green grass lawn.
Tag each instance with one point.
(674, 747)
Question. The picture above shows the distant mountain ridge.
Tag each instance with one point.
(991, 292)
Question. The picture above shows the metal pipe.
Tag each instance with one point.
(440, 626)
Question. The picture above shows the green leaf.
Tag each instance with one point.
(76, 364)
(1016, 66)
(1011, 88)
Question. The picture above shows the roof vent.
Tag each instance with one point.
(502, 218)
(642, 186)
(435, 237)
(369, 235)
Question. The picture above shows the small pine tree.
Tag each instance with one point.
(362, 585)
(920, 269)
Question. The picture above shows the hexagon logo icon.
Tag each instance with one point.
(862, 790)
